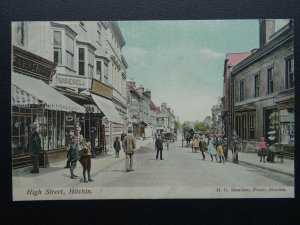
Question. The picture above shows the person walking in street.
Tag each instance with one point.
(211, 149)
(235, 146)
(202, 146)
(129, 147)
(220, 150)
(117, 147)
(262, 149)
(225, 147)
(159, 147)
(123, 135)
(34, 148)
(195, 143)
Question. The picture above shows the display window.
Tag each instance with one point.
(21, 119)
(287, 126)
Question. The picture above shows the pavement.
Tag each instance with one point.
(286, 167)
(56, 171)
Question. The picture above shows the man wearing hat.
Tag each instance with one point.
(235, 146)
(159, 146)
(34, 147)
(129, 147)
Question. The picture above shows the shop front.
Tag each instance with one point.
(34, 101)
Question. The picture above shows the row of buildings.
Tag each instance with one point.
(73, 73)
(259, 90)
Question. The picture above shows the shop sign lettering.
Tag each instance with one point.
(30, 66)
(69, 81)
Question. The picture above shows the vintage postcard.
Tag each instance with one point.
(181, 109)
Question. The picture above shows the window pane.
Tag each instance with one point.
(57, 38)
(99, 67)
(81, 68)
(81, 54)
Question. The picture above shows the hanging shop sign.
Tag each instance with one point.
(102, 89)
(69, 81)
(91, 109)
(27, 63)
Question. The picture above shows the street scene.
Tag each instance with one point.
(152, 109)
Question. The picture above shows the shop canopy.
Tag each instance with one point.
(28, 90)
(108, 109)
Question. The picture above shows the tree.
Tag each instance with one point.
(177, 125)
(201, 126)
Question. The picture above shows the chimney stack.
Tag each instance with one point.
(266, 29)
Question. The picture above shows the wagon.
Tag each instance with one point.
(168, 137)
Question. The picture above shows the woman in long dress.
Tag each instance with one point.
(212, 150)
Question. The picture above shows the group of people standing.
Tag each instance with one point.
(217, 146)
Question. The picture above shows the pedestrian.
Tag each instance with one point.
(73, 153)
(85, 160)
(68, 163)
(220, 150)
(225, 147)
(235, 146)
(262, 149)
(34, 148)
(212, 149)
(195, 143)
(159, 147)
(123, 135)
(202, 147)
(117, 147)
(129, 147)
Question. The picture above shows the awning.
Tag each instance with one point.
(108, 108)
(27, 90)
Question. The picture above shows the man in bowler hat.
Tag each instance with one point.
(129, 147)
(34, 148)
(159, 146)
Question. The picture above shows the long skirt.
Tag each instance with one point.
(220, 150)
(212, 150)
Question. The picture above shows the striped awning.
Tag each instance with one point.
(27, 91)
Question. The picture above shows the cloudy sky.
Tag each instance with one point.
(182, 62)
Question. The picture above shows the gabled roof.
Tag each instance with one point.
(235, 58)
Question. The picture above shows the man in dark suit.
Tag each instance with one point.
(34, 148)
(159, 146)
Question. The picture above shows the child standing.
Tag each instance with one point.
(262, 149)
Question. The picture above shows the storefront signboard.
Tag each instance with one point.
(70, 81)
(102, 89)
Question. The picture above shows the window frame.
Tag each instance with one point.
(270, 81)
(287, 74)
(81, 61)
(91, 59)
(69, 51)
(241, 90)
(256, 85)
(57, 48)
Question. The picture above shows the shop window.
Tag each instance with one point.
(81, 63)
(20, 131)
(289, 78)
(69, 52)
(271, 122)
(57, 54)
(270, 80)
(287, 126)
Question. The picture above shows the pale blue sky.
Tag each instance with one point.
(182, 62)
